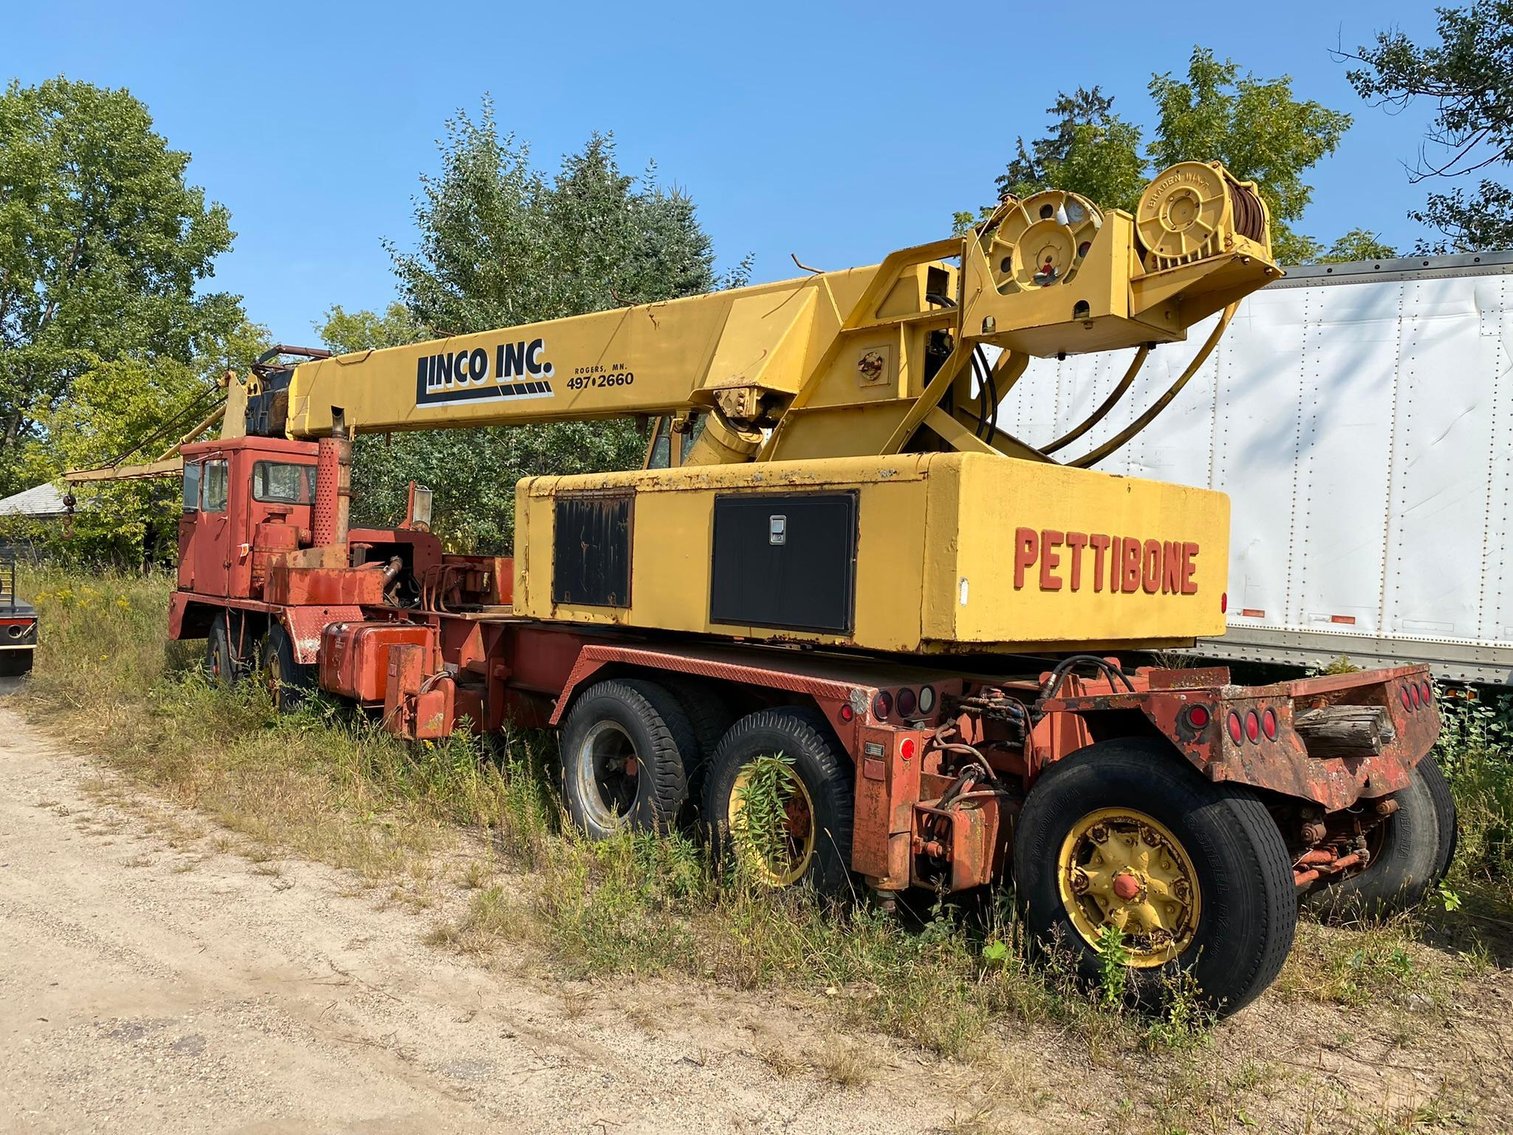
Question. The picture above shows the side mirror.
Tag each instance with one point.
(418, 508)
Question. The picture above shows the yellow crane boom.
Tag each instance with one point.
(860, 362)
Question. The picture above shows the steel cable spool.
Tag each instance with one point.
(1194, 210)
(1250, 212)
(1040, 240)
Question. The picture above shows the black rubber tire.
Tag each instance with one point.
(803, 734)
(220, 663)
(711, 717)
(1404, 866)
(16, 663)
(658, 734)
(1445, 817)
(289, 681)
(1247, 902)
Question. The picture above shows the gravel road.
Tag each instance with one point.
(154, 980)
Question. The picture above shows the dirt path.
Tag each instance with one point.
(159, 975)
(154, 981)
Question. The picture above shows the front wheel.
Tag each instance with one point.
(289, 681)
(1123, 847)
(220, 663)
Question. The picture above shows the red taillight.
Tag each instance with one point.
(882, 705)
(1269, 724)
(1235, 733)
(1223, 602)
(1198, 716)
(1415, 696)
(847, 713)
(1428, 693)
(906, 702)
(1252, 726)
(1407, 699)
(906, 749)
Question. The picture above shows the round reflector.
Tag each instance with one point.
(906, 702)
(847, 713)
(1269, 724)
(1235, 733)
(906, 749)
(926, 699)
(882, 705)
(1252, 726)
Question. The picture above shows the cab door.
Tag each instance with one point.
(204, 529)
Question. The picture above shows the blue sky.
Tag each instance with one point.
(834, 131)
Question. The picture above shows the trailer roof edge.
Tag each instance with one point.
(1403, 268)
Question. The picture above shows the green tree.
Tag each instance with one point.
(1255, 126)
(1090, 150)
(347, 331)
(1358, 244)
(103, 248)
(129, 411)
(1469, 77)
(1257, 129)
(500, 243)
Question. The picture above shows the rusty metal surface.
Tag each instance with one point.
(1284, 763)
(296, 586)
(354, 657)
(305, 625)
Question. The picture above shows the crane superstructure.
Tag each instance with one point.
(834, 553)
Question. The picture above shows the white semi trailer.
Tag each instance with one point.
(1360, 416)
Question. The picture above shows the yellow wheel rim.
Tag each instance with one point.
(1122, 868)
(785, 863)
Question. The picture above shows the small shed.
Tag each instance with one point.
(41, 502)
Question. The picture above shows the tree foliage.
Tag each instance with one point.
(1255, 126)
(501, 243)
(1469, 77)
(1090, 150)
(347, 331)
(1358, 244)
(103, 247)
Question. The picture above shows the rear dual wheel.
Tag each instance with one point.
(624, 747)
(1410, 850)
(628, 746)
(779, 800)
(1123, 847)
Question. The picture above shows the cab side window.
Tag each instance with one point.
(213, 491)
(192, 487)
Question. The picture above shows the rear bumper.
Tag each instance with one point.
(1197, 719)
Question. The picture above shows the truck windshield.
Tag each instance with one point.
(281, 483)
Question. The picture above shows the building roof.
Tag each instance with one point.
(39, 501)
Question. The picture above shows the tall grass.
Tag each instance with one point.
(1475, 751)
(328, 783)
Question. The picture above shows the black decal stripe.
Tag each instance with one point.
(514, 390)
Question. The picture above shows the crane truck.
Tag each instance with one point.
(835, 555)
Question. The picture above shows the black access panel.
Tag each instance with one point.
(591, 549)
(785, 560)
